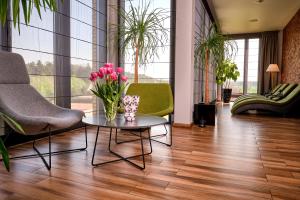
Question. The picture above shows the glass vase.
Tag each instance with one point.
(110, 110)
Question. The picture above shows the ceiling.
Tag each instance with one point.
(235, 16)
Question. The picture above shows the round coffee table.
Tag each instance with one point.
(140, 124)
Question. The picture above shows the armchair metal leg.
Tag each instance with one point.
(48, 165)
(50, 153)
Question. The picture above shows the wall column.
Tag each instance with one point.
(184, 63)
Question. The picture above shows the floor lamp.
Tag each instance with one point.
(273, 69)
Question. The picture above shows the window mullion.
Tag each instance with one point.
(246, 53)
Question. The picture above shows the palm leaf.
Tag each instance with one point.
(14, 125)
(4, 154)
(142, 29)
(27, 8)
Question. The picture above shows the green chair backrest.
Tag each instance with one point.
(154, 97)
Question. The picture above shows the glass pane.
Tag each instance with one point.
(88, 51)
(253, 65)
(43, 84)
(159, 68)
(35, 44)
(84, 103)
(237, 87)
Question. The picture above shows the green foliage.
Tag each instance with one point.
(227, 71)
(27, 7)
(110, 92)
(142, 29)
(3, 151)
(217, 45)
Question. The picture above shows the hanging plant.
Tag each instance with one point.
(142, 30)
(27, 7)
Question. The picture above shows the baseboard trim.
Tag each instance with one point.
(182, 125)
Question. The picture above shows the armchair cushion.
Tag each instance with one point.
(155, 98)
(12, 68)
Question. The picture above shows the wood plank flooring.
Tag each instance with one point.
(243, 157)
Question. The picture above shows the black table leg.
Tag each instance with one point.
(118, 155)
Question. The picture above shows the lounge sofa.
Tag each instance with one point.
(283, 100)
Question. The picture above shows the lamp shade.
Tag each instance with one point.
(273, 68)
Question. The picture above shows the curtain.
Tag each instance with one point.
(268, 55)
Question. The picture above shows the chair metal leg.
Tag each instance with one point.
(41, 155)
(118, 155)
(154, 136)
(171, 137)
(48, 165)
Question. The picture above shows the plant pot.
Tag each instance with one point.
(204, 114)
(227, 95)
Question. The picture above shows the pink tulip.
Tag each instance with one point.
(124, 78)
(93, 76)
(120, 70)
(108, 65)
(114, 76)
(109, 70)
(100, 75)
(103, 70)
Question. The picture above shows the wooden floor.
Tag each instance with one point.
(243, 157)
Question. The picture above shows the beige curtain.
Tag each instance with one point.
(268, 55)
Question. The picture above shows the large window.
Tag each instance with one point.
(158, 70)
(88, 49)
(247, 62)
(62, 49)
(35, 44)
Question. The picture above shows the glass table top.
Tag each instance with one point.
(141, 121)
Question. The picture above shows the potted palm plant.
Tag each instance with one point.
(214, 48)
(3, 151)
(226, 71)
(142, 30)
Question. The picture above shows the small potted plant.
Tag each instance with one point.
(226, 71)
(109, 84)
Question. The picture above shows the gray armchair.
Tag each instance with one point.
(35, 114)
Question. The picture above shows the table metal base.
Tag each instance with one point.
(120, 156)
(151, 137)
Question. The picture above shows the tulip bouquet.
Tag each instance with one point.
(110, 89)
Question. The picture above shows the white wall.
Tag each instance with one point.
(184, 62)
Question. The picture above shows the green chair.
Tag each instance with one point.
(155, 99)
